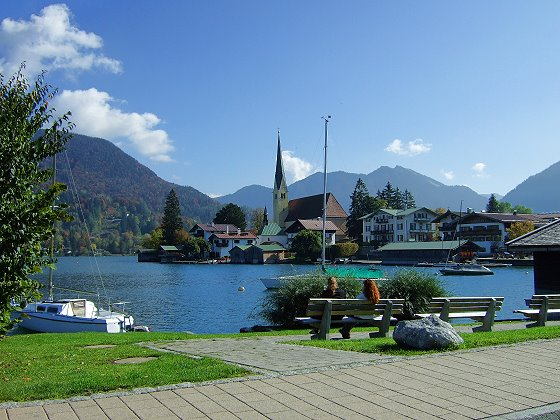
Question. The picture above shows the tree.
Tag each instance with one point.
(518, 229)
(440, 210)
(504, 207)
(361, 204)
(493, 205)
(257, 220)
(409, 201)
(27, 198)
(153, 240)
(520, 209)
(307, 245)
(172, 221)
(231, 214)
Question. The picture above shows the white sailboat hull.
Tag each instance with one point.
(41, 322)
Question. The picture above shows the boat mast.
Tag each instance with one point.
(327, 118)
(51, 297)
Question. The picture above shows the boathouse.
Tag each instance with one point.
(257, 254)
(412, 253)
(544, 244)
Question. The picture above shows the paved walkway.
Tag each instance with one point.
(469, 384)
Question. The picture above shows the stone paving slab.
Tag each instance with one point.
(513, 382)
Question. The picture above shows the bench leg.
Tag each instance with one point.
(385, 322)
(543, 315)
(444, 314)
(488, 320)
(325, 326)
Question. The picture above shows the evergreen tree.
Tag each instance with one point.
(398, 200)
(387, 194)
(493, 205)
(409, 200)
(27, 211)
(172, 221)
(231, 214)
(357, 210)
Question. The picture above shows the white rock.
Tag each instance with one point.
(426, 334)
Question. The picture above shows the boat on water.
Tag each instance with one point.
(73, 315)
(465, 270)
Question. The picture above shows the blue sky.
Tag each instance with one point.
(465, 92)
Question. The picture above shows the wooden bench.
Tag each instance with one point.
(476, 308)
(350, 310)
(539, 308)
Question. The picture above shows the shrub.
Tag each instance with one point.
(307, 245)
(415, 287)
(343, 250)
(281, 306)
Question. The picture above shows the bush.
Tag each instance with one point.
(307, 245)
(343, 250)
(281, 306)
(416, 288)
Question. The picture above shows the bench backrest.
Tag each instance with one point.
(352, 307)
(464, 304)
(536, 301)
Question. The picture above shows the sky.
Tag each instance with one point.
(467, 93)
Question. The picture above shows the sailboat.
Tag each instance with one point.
(72, 315)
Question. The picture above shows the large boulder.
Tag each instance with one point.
(426, 334)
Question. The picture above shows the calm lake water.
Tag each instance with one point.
(204, 298)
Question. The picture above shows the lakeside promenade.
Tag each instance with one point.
(292, 382)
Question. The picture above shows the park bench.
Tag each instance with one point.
(540, 306)
(350, 309)
(476, 308)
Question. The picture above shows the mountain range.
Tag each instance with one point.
(427, 191)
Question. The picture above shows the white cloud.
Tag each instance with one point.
(296, 168)
(449, 175)
(93, 115)
(479, 169)
(412, 148)
(49, 41)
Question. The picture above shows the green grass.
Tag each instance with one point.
(388, 346)
(47, 366)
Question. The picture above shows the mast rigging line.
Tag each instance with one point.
(74, 191)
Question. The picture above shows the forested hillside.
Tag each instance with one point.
(121, 198)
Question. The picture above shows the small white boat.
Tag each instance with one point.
(465, 270)
(73, 315)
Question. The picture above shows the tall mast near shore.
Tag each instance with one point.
(327, 119)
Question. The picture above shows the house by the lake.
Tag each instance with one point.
(390, 225)
(544, 244)
(202, 230)
(222, 243)
(315, 225)
(257, 254)
(412, 253)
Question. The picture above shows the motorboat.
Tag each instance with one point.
(465, 270)
(73, 315)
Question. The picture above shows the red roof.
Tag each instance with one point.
(311, 224)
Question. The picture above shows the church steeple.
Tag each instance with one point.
(280, 192)
(279, 175)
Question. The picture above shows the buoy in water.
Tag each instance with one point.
(240, 289)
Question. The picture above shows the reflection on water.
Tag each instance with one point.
(204, 298)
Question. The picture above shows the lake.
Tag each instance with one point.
(205, 298)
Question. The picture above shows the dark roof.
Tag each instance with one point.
(214, 227)
(311, 224)
(279, 175)
(547, 236)
(312, 207)
(502, 217)
(446, 214)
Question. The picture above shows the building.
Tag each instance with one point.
(488, 230)
(222, 243)
(313, 225)
(544, 244)
(287, 212)
(257, 254)
(412, 253)
(389, 225)
(272, 232)
(201, 230)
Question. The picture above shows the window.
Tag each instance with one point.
(399, 238)
(249, 241)
(40, 308)
(399, 226)
(236, 241)
(52, 310)
(368, 228)
(412, 226)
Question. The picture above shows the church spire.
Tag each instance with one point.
(279, 176)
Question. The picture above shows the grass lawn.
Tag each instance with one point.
(472, 340)
(45, 366)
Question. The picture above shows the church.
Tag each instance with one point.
(291, 215)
